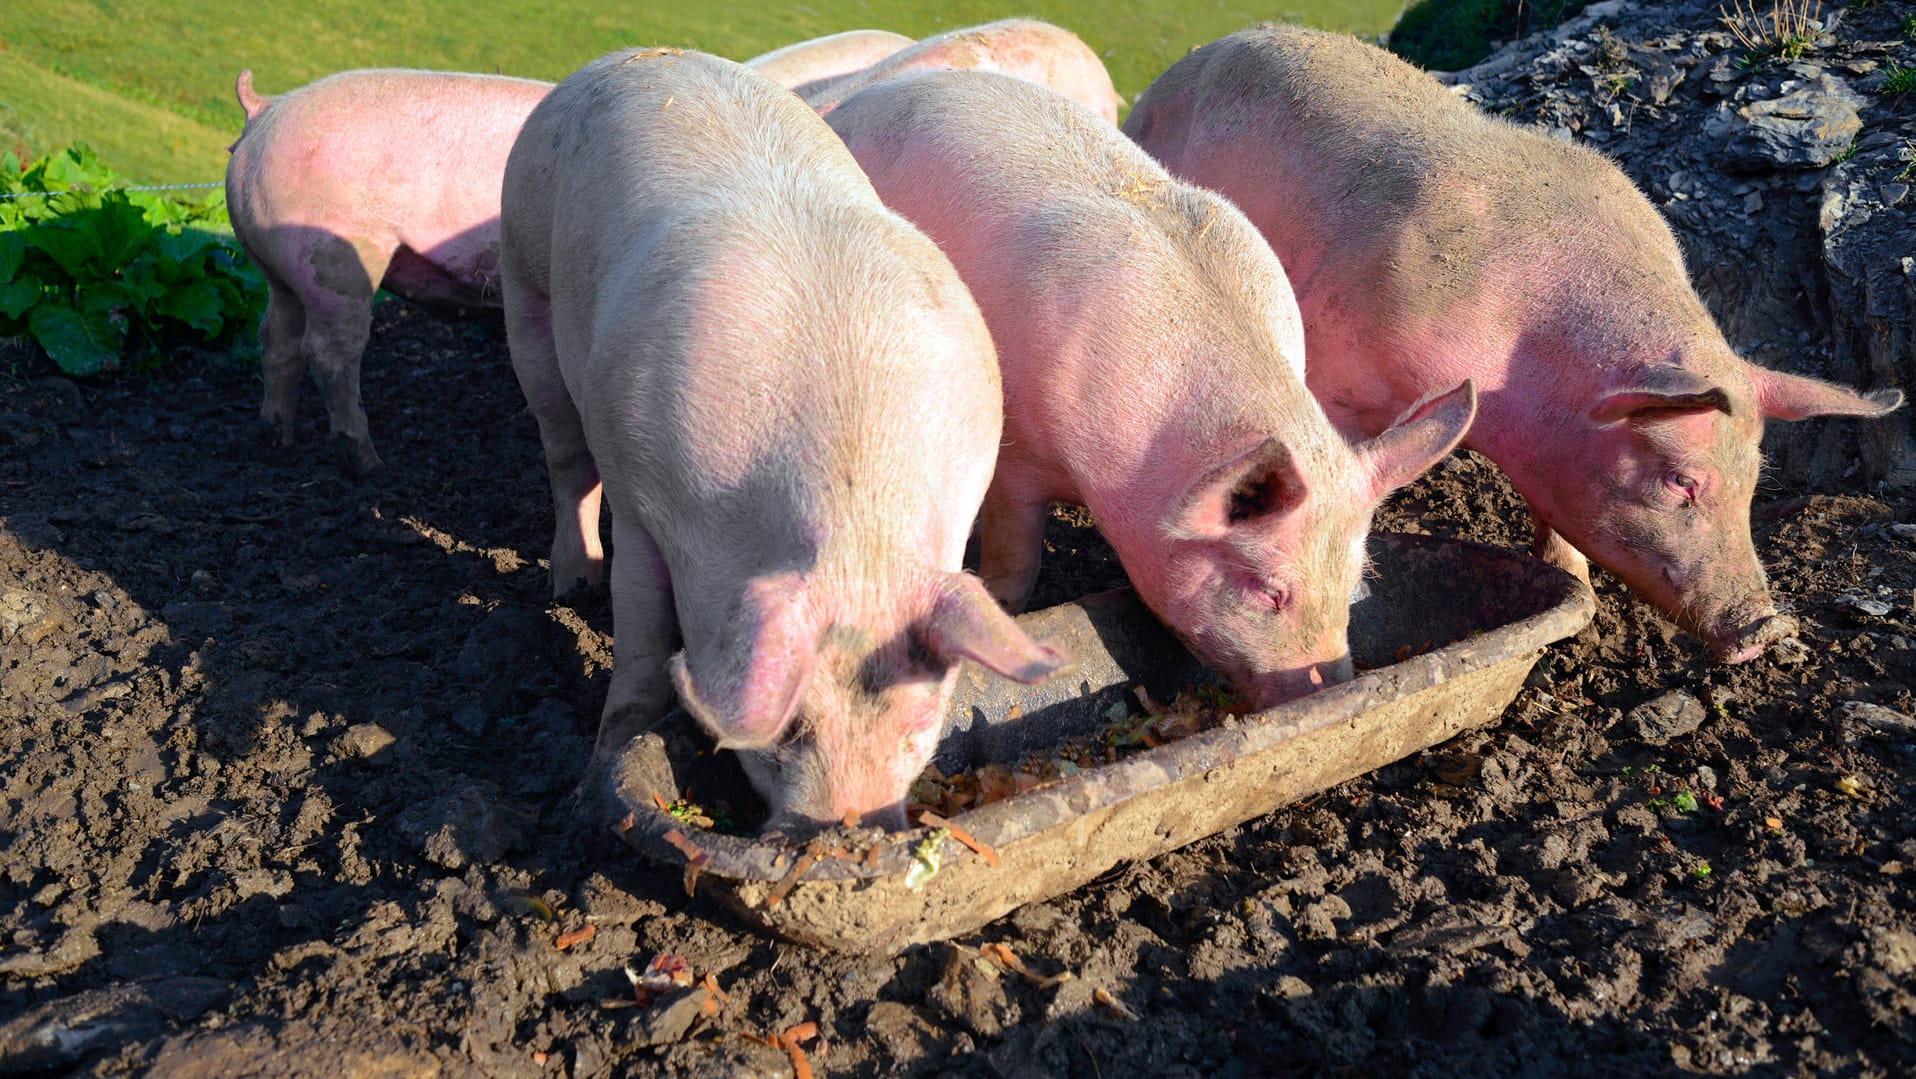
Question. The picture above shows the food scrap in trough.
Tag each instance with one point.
(1126, 732)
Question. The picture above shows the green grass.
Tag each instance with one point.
(175, 59)
(1898, 80)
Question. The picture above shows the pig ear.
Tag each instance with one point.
(1660, 391)
(1410, 448)
(1262, 483)
(1793, 397)
(966, 623)
(747, 695)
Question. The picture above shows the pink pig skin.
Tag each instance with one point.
(1153, 362)
(1431, 243)
(363, 180)
(794, 405)
(1024, 48)
(829, 57)
(390, 179)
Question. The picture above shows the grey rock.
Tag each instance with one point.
(1661, 718)
(1804, 129)
(1883, 719)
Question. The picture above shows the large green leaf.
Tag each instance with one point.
(80, 344)
(75, 166)
(18, 295)
(183, 244)
(13, 251)
(196, 303)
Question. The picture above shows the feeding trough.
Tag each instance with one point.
(1484, 614)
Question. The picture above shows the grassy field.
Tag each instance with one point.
(150, 85)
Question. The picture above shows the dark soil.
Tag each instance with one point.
(285, 759)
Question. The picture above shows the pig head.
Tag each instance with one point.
(1430, 243)
(1653, 481)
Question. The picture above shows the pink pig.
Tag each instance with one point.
(1432, 243)
(795, 408)
(821, 59)
(1025, 48)
(390, 179)
(360, 181)
(1153, 363)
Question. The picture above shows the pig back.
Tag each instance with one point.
(739, 319)
(425, 148)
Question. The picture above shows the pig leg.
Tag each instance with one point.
(339, 318)
(280, 332)
(1010, 541)
(644, 635)
(1556, 550)
(570, 470)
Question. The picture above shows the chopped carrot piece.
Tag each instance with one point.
(933, 820)
(577, 936)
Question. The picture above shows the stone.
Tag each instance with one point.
(361, 741)
(1805, 129)
(1883, 719)
(1664, 717)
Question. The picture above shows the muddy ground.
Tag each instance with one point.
(284, 763)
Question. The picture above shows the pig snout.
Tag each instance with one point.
(1745, 630)
(1276, 687)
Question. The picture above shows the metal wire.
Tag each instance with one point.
(149, 187)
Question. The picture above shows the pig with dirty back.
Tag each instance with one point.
(793, 405)
(1023, 48)
(360, 181)
(1153, 364)
(821, 59)
(1431, 243)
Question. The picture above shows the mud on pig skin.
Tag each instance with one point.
(799, 66)
(360, 181)
(1153, 363)
(794, 405)
(1035, 51)
(1431, 243)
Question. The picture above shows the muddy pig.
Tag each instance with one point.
(1025, 48)
(360, 181)
(1153, 363)
(794, 406)
(1431, 243)
(821, 59)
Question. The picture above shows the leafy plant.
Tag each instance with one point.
(1907, 27)
(1787, 32)
(96, 273)
(1897, 79)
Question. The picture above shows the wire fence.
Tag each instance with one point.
(148, 187)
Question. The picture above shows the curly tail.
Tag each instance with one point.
(250, 101)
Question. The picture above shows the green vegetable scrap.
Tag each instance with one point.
(926, 859)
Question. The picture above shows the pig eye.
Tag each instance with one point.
(1278, 596)
(1681, 484)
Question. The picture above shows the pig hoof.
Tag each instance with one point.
(1754, 639)
(275, 429)
(356, 457)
